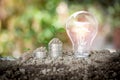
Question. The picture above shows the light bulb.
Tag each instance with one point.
(81, 28)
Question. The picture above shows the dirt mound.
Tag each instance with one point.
(100, 65)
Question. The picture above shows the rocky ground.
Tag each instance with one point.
(100, 65)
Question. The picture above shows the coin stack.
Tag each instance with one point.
(40, 52)
(55, 48)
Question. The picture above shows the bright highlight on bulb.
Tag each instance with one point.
(81, 28)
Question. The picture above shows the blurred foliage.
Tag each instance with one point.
(115, 14)
(27, 24)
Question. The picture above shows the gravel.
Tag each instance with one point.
(100, 65)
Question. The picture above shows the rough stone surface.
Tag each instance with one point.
(100, 65)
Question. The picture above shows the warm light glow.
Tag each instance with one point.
(81, 27)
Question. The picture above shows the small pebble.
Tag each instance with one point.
(22, 70)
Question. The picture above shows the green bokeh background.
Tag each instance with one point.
(28, 24)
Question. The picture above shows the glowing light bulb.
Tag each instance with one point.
(81, 28)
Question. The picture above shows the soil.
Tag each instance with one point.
(100, 65)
